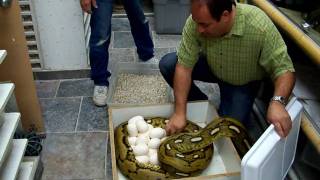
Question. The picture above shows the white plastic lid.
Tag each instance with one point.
(271, 157)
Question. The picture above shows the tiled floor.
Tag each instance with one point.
(77, 144)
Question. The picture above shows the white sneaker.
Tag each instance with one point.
(100, 95)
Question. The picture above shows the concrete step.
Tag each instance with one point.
(6, 90)
(10, 168)
(7, 130)
(28, 168)
(3, 54)
(25, 171)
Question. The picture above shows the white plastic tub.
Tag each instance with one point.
(269, 158)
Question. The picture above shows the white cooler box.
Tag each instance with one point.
(269, 158)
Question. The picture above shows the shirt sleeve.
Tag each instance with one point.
(274, 56)
(188, 51)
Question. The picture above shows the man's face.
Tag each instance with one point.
(206, 25)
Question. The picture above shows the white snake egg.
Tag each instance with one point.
(142, 126)
(142, 159)
(157, 133)
(140, 150)
(152, 151)
(150, 127)
(144, 134)
(134, 119)
(142, 139)
(132, 130)
(154, 159)
(140, 119)
(132, 140)
(154, 143)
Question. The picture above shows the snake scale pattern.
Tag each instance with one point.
(182, 155)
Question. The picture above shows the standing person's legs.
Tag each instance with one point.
(237, 101)
(139, 29)
(200, 72)
(100, 24)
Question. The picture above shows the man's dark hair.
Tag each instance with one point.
(217, 7)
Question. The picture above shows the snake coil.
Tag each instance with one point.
(182, 155)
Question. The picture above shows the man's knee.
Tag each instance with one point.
(168, 62)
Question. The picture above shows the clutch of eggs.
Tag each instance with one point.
(144, 140)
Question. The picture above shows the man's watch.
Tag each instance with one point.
(280, 99)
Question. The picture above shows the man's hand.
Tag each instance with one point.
(279, 117)
(86, 5)
(176, 124)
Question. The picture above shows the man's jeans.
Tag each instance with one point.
(101, 32)
(236, 101)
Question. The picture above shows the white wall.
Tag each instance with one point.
(61, 31)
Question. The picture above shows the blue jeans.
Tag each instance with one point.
(101, 32)
(236, 101)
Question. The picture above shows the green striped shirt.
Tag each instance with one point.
(253, 49)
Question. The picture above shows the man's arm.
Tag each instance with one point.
(277, 114)
(181, 87)
(188, 55)
(276, 61)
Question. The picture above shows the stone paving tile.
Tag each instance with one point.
(74, 88)
(120, 24)
(166, 40)
(151, 23)
(60, 114)
(158, 54)
(74, 155)
(173, 49)
(47, 89)
(111, 40)
(123, 40)
(120, 55)
(92, 118)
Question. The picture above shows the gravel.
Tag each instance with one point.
(140, 89)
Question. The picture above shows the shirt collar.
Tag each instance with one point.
(239, 22)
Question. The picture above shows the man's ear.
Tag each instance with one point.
(225, 16)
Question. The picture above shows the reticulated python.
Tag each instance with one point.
(182, 155)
